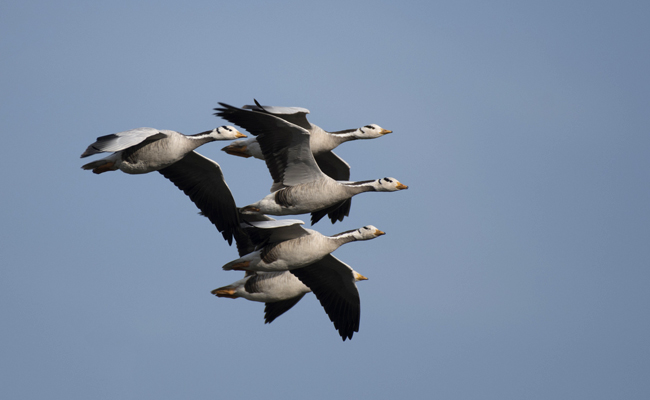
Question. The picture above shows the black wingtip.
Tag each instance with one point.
(317, 216)
(228, 237)
(261, 107)
(345, 335)
(220, 111)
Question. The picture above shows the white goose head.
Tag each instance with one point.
(367, 232)
(225, 133)
(370, 132)
(388, 185)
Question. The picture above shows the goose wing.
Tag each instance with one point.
(246, 244)
(336, 168)
(285, 145)
(332, 281)
(333, 166)
(123, 140)
(272, 310)
(261, 233)
(295, 115)
(202, 180)
(335, 212)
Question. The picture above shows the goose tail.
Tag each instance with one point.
(226, 291)
(100, 166)
(238, 148)
(236, 265)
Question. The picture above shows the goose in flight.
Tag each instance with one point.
(144, 150)
(334, 284)
(299, 185)
(285, 245)
(332, 281)
(279, 290)
(321, 141)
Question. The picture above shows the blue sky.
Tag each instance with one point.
(515, 265)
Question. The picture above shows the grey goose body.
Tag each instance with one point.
(172, 154)
(287, 246)
(144, 150)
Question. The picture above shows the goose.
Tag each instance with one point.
(281, 290)
(287, 246)
(332, 281)
(321, 141)
(299, 185)
(143, 150)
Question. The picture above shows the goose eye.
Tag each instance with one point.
(388, 180)
(369, 127)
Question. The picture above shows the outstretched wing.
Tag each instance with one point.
(123, 140)
(335, 213)
(273, 231)
(202, 180)
(333, 166)
(332, 281)
(277, 308)
(285, 146)
(295, 115)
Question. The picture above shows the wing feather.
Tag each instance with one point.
(123, 140)
(202, 180)
(272, 310)
(285, 145)
(332, 281)
(295, 115)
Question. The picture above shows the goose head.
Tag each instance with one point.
(370, 132)
(226, 132)
(388, 185)
(367, 232)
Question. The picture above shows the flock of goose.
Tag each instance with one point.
(282, 260)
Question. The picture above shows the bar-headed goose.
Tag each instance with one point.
(144, 150)
(334, 284)
(321, 141)
(279, 290)
(299, 185)
(332, 281)
(287, 245)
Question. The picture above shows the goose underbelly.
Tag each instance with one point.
(305, 199)
(152, 157)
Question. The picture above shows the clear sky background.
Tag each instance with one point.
(516, 265)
